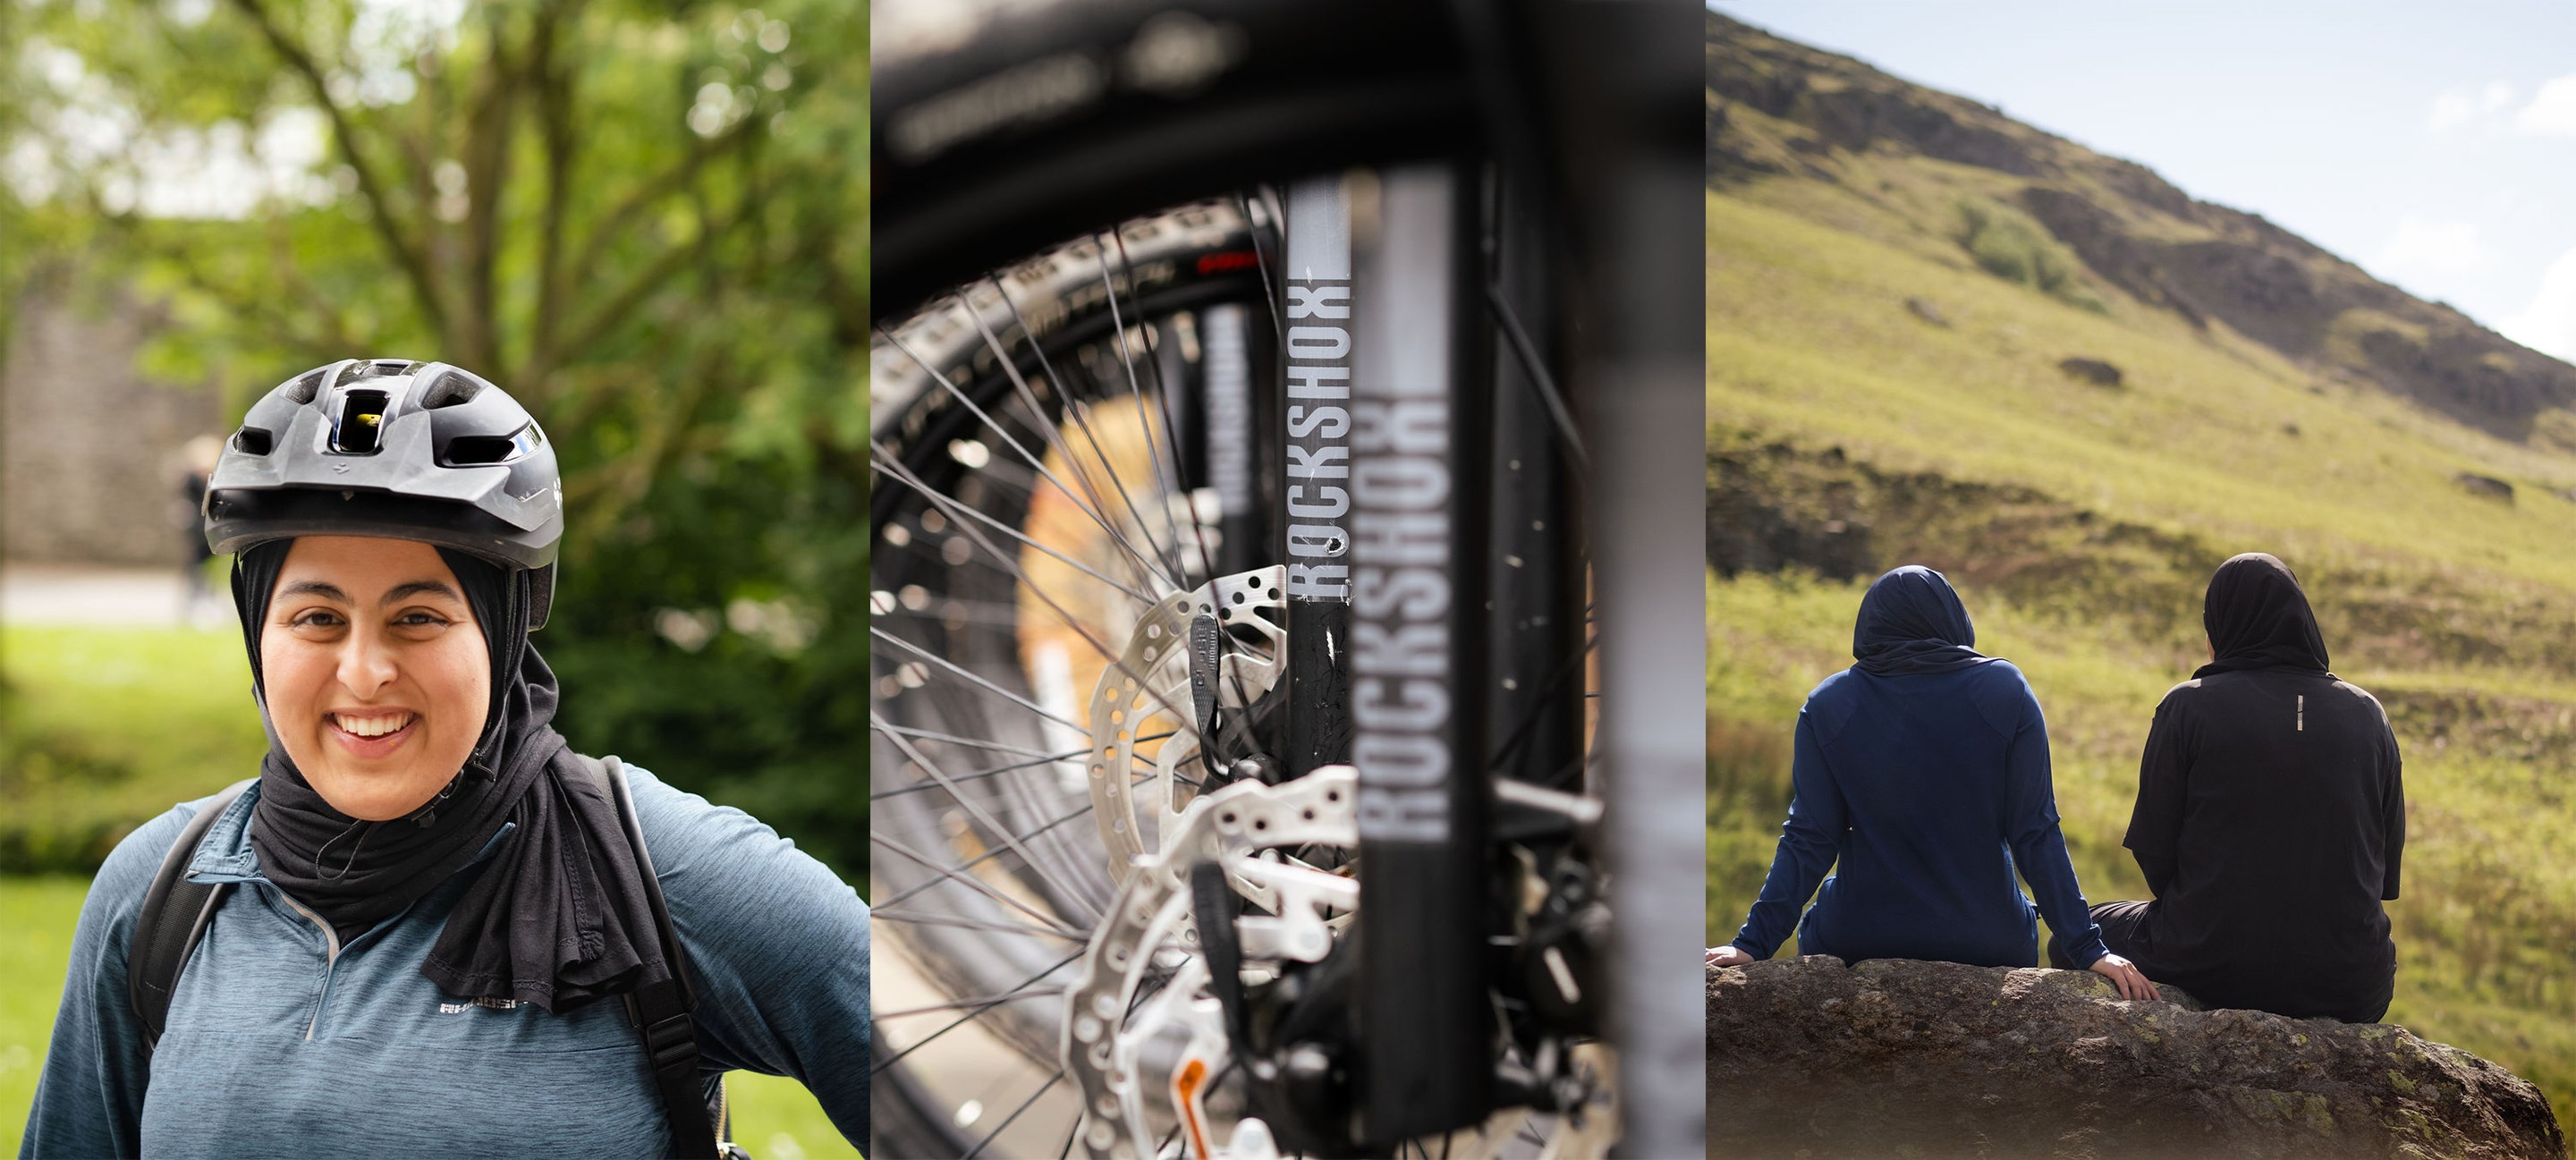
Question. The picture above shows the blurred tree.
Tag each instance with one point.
(646, 218)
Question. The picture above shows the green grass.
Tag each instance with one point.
(2080, 523)
(39, 914)
(775, 1118)
(108, 727)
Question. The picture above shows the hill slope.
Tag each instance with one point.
(1780, 108)
(1939, 336)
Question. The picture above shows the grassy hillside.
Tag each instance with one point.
(1885, 387)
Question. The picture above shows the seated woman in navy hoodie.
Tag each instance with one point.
(1922, 771)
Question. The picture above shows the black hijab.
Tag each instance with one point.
(558, 918)
(2258, 618)
(1912, 622)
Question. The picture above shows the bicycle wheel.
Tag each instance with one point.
(1085, 486)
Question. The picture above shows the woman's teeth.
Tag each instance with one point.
(371, 726)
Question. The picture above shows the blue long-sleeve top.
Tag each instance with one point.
(1927, 789)
(283, 1043)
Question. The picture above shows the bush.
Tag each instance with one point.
(2008, 244)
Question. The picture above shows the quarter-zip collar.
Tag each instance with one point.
(225, 855)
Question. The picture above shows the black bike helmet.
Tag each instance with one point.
(389, 447)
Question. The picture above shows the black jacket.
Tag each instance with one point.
(2269, 823)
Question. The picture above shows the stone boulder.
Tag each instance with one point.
(2484, 486)
(2091, 370)
(1894, 1057)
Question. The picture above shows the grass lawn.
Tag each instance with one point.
(110, 726)
(775, 1118)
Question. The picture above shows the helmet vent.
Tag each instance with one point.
(450, 389)
(360, 429)
(301, 391)
(252, 441)
(380, 368)
(486, 450)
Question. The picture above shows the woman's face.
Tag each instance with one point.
(376, 674)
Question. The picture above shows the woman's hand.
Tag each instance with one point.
(1727, 956)
(2124, 974)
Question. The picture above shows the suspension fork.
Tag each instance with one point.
(1314, 402)
(1233, 444)
(1418, 440)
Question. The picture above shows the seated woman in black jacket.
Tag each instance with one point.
(2269, 821)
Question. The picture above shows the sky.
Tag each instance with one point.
(2434, 145)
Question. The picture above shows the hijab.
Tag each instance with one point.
(2258, 618)
(559, 917)
(1912, 622)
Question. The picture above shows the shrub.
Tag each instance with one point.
(2008, 244)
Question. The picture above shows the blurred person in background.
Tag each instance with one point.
(198, 464)
(428, 892)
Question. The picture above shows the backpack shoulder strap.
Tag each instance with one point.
(174, 916)
(661, 1008)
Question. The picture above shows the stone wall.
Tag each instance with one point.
(90, 450)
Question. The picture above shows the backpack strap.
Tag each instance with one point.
(661, 1008)
(174, 916)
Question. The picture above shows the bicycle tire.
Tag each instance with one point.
(1284, 88)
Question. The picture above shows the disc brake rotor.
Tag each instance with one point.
(1153, 682)
(1149, 922)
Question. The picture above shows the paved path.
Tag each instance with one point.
(74, 594)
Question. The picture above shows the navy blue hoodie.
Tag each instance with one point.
(1922, 773)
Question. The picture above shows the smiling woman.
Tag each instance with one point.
(375, 675)
(425, 889)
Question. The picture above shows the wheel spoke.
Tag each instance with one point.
(971, 678)
(961, 1004)
(1054, 437)
(1540, 380)
(1067, 618)
(1261, 260)
(976, 884)
(950, 920)
(881, 726)
(897, 1057)
(1082, 422)
(1042, 869)
(1007, 438)
(1162, 391)
(997, 771)
(946, 503)
(986, 856)
(989, 1137)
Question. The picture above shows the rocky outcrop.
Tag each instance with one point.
(1900, 1058)
(2091, 370)
(2484, 486)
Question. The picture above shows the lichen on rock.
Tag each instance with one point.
(1898, 1057)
